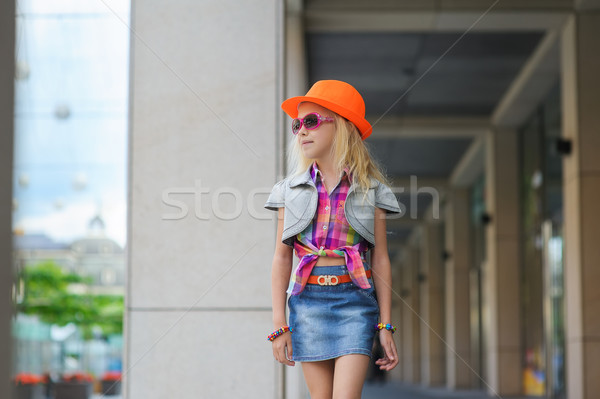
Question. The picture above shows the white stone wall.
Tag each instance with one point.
(204, 105)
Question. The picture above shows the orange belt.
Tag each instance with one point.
(333, 280)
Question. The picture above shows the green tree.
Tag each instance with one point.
(52, 295)
(110, 309)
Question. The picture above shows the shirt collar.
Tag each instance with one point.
(314, 171)
(305, 178)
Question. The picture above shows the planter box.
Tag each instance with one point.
(111, 387)
(29, 392)
(72, 390)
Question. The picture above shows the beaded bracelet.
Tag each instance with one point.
(277, 333)
(389, 327)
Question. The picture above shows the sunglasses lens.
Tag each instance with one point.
(296, 125)
(311, 121)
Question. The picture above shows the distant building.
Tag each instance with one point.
(100, 258)
(95, 255)
(30, 249)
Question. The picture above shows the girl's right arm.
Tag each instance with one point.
(280, 278)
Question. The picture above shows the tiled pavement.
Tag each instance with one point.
(397, 390)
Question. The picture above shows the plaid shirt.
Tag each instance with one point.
(329, 235)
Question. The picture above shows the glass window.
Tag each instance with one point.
(541, 226)
(69, 206)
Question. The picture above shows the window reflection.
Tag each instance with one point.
(69, 205)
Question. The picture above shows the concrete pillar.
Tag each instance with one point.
(458, 246)
(296, 74)
(397, 308)
(296, 82)
(502, 283)
(432, 307)
(580, 101)
(411, 321)
(200, 243)
(7, 95)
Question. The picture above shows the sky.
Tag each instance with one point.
(71, 104)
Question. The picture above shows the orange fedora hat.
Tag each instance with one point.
(337, 96)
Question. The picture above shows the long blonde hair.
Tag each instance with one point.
(348, 149)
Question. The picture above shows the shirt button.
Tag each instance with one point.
(326, 208)
(325, 227)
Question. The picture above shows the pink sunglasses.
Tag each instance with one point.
(310, 122)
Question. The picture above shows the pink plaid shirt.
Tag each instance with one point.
(329, 234)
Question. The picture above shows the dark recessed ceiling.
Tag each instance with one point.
(398, 233)
(468, 80)
(423, 158)
(423, 75)
(414, 204)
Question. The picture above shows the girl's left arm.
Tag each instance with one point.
(382, 278)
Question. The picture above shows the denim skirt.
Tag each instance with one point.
(331, 321)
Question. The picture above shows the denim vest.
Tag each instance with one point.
(298, 195)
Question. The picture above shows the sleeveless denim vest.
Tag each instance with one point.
(298, 195)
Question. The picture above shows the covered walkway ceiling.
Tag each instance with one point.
(432, 76)
(404, 77)
(407, 74)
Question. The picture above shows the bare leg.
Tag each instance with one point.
(319, 378)
(349, 376)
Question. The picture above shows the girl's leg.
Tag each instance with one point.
(349, 376)
(319, 378)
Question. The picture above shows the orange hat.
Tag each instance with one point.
(337, 96)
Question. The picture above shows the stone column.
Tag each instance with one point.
(204, 106)
(397, 307)
(7, 95)
(411, 322)
(296, 81)
(580, 102)
(296, 74)
(502, 283)
(294, 70)
(432, 305)
(458, 247)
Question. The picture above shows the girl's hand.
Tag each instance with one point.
(281, 345)
(390, 359)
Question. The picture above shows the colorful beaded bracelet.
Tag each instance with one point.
(277, 333)
(389, 327)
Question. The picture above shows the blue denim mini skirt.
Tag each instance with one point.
(331, 321)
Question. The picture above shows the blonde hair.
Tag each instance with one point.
(348, 149)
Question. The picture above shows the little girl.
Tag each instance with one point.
(332, 210)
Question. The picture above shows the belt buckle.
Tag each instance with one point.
(328, 280)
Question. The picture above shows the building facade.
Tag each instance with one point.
(495, 259)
